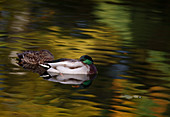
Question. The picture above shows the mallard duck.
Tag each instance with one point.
(34, 57)
(71, 66)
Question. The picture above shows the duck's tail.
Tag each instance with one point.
(20, 57)
(45, 66)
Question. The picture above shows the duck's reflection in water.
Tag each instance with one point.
(76, 80)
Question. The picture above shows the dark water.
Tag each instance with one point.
(129, 41)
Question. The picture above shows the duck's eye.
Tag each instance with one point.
(82, 60)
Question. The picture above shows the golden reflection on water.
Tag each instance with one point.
(101, 43)
(101, 38)
(32, 96)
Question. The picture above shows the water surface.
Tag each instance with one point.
(128, 40)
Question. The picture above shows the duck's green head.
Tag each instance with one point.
(86, 59)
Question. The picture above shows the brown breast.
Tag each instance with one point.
(93, 69)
